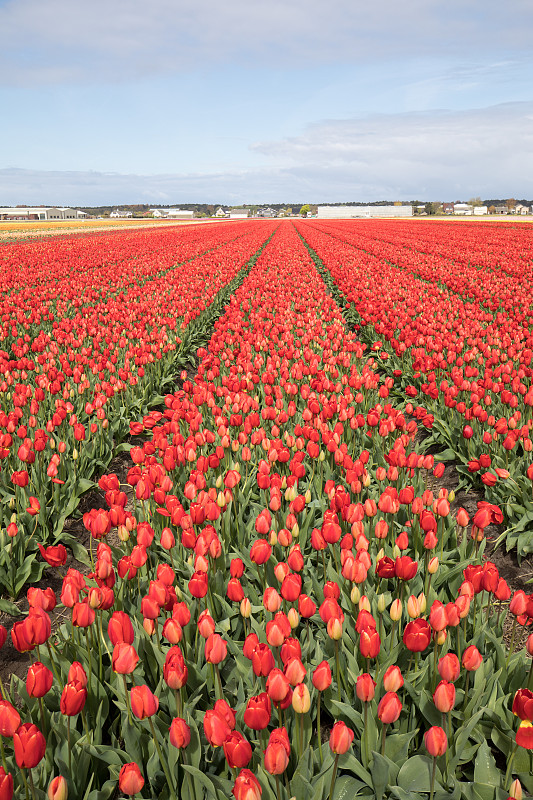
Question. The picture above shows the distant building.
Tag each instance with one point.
(351, 212)
(463, 209)
(480, 211)
(221, 213)
(520, 209)
(239, 213)
(266, 212)
(118, 213)
(171, 213)
(447, 208)
(40, 213)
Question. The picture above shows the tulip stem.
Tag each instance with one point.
(337, 662)
(335, 765)
(41, 710)
(383, 737)
(366, 748)
(3, 752)
(318, 729)
(32, 785)
(433, 774)
(52, 663)
(26, 783)
(162, 760)
(219, 682)
(466, 690)
(130, 720)
(278, 788)
(69, 747)
(301, 737)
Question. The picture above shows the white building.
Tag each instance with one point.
(480, 211)
(173, 213)
(352, 212)
(117, 213)
(463, 209)
(520, 209)
(40, 213)
(239, 213)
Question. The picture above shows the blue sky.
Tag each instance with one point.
(290, 101)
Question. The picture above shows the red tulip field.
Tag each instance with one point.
(279, 598)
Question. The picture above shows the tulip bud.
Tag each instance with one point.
(245, 608)
(58, 789)
(436, 741)
(441, 637)
(413, 607)
(396, 610)
(301, 699)
(422, 602)
(293, 617)
(433, 565)
(341, 738)
(382, 603)
(515, 790)
(355, 595)
(396, 552)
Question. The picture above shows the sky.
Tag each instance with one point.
(291, 101)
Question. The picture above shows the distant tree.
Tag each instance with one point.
(475, 201)
(305, 209)
(492, 209)
(511, 203)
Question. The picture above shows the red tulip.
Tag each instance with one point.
(389, 708)
(143, 702)
(9, 718)
(57, 788)
(237, 750)
(38, 680)
(436, 741)
(444, 696)
(130, 779)
(73, 699)
(340, 738)
(216, 728)
(523, 704)
(6, 785)
(29, 744)
(322, 676)
(365, 687)
(125, 658)
(180, 733)
(258, 711)
(524, 735)
(246, 786)
(417, 635)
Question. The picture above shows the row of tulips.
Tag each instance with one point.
(456, 336)
(79, 361)
(291, 612)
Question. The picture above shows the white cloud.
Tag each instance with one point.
(438, 155)
(59, 40)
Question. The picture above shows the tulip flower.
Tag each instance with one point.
(130, 779)
(57, 788)
(29, 744)
(257, 713)
(246, 786)
(143, 703)
(180, 733)
(237, 750)
(6, 785)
